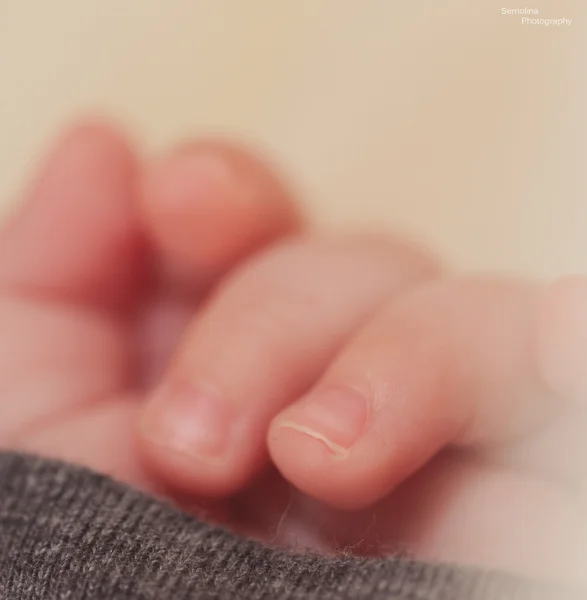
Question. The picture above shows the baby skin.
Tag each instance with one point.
(177, 325)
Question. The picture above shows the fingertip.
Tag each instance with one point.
(191, 438)
(186, 474)
(380, 413)
(208, 204)
(310, 463)
(76, 233)
(100, 141)
(190, 208)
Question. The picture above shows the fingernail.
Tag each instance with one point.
(336, 417)
(189, 421)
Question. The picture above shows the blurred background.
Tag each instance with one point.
(446, 120)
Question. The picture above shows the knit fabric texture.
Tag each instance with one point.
(69, 533)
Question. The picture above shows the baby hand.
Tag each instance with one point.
(407, 409)
(99, 267)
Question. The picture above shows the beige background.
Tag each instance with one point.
(444, 119)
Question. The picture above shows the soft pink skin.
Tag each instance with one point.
(88, 328)
(443, 363)
(93, 294)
